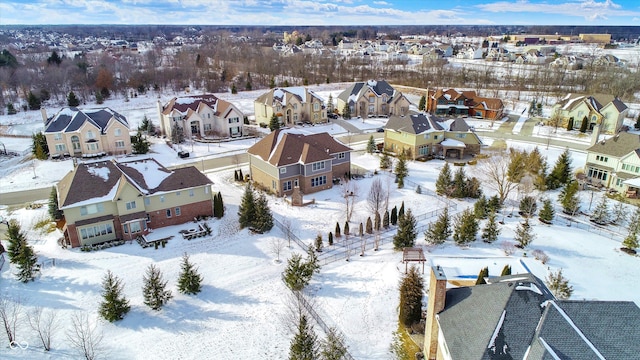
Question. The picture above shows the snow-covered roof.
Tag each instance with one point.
(452, 143)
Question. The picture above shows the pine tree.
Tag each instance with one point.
(332, 348)
(401, 171)
(369, 228)
(561, 173)
(583, 125)
(114, 306)
(54, 210)
(423, 103)
(16, 239)
(247, 209)
(406, 235)
(189, 280)
(494, 204)
(304, 345)
(234, 90)
(444, 180)
(528, 206)
(570, 124)
(377, 222)
(569, 198)
(330, 238)
(26, 263)
(440, 230)
(484, 273)
(330, 108)
(631, 240)
(263, 220)
(559, 285)
(11, 110)
(619, 214)
(385, 219)
(480, 210)
(154, 289)
(298, 273)
(601, 214)
(394, 216)
(40, 149)
(99, 98)
(346, 228)
(371, 145)
(338, 230)
(465, 228)
(274, 123)
(547, 213)
(33, 101)
(140, 144)
(72, 100)
(459, 184)
(385, 161)
(506, 270)
(411, 288)
(218, 206)
(491, 231)
(524, 234)
(319, 243)
(401, 211)
(346, 112)
(272, 83)
(360, 230)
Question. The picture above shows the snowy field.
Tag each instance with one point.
(242, 310)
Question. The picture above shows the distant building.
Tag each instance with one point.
(596, 38)
(292, 105)
(451, 102)
(373, 98)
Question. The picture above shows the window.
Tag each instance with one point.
(295, 106)
(295, 183)
(161, 198)
(597, 174)
(97, 230)
(61, 147)
(168, 213)
(317, 166)
(191, 192)
(147, 201)
(423, 150)
(119, 144)
(90, 134)
(342, 155)
(135, 227)
(315, 117)
(427, 136)
(372, 99)
(283, 170)
(177, 193)
(619, 182)
(131, 205)
(148, 218)
(206, 190)
(461, 136)
(371, 109)
(602, 158)
(295, 117)
(208, 115)
(286, 186)
(316, 107)
(235, 130)
(273, 184)
(91, 209)
(117, 132)
(207, 127)
(318, 181)
(92, 146)
(234, 120)
(57, 136)
(178, 211)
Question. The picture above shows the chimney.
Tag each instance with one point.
(437, 295)
(595, 135)
(43, 112)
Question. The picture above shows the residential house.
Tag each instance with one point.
(292, 105)
(451, 102)
(615, 163)
(283, 161)
(86, 133)
(517, 317)
(605, 111)
(200, 116)
(108, 200)
(424, 135)
(373, 98)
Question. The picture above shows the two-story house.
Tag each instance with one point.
(373, 98)
(424, 135)
(86, 133)
(517, 317)
(615, 163)
(108, 200)
(606, 111)
(200, 116)
(462, 103)
(292, 105)
(282, 161)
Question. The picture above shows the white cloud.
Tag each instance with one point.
(381, 3)
(589, 9)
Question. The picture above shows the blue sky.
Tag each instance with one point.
(322, 12)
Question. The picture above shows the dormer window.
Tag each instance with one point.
(90, 135)
(117, 132)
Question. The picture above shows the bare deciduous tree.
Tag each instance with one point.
(349, 191)
(495, 171)
(287, 229)
(45, 324)
(276, 245)
(10, 313)
(85, 337)
(376, 196)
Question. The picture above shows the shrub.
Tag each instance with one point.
(509, 248)
(540, 255)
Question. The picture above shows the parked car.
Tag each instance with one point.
(380, 130)
(183, 154)
(332, 116)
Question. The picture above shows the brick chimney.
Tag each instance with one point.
(43, 113)
(437, 295)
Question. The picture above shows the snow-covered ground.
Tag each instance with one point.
(242, 310)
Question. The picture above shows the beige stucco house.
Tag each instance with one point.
(109, 200)
(87, 133)
(200, 116)
(292, 105)
(607, 111)
(283, 161)
(373, 98)
(615, 163)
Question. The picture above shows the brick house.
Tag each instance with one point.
(373, 98)
(462, 103)
(282, 161)
(108, 200)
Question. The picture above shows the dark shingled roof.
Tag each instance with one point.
(414, 123)
(619, 145)
(184, 103)
(378, 87)
(71, 119)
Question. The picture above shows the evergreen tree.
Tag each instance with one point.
(583, 125)
(330, 107)
(319, 243)
(401, 171)
(394, 216)
(147, 126)
(140, 144)
(569, 198)
(304, 345)
(99, 98)
(618, 214)
(346, 112)
(338, 230)
(369, 228)
(72, 100)
(371, 145)
(411, 288)
(16, 239)
(559, 285)
(26, 263)
(480, 210)
(401, 211)
(631, 240)
(561, 173)
(406, 235)
(346, 228)
(298, 273)
(234, 90)
(330, 238)
(247, 209)
(491, 231)
(332, 348)
(263, 220)
(459, 184)
(484, 273)
(494, 204)
(189, 280)
(33, 101)
(361, 230)
(377, 222)
(11, 110)
(274, 123)
(177, 134)
(444, 180)
(54, 59)
(154, 289)
(601, 214)
(465, 228)
(272, 83)
(114, 306)
(385, 219)
(418, 189)
(40, 148)
(220, 203)
(524, 234)
(547, 213)
(385, 161)
(54, 210)
(528, 206)
(423, 103)
(637, 124)
(570, 124)
(440, 230)
(506, 270)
